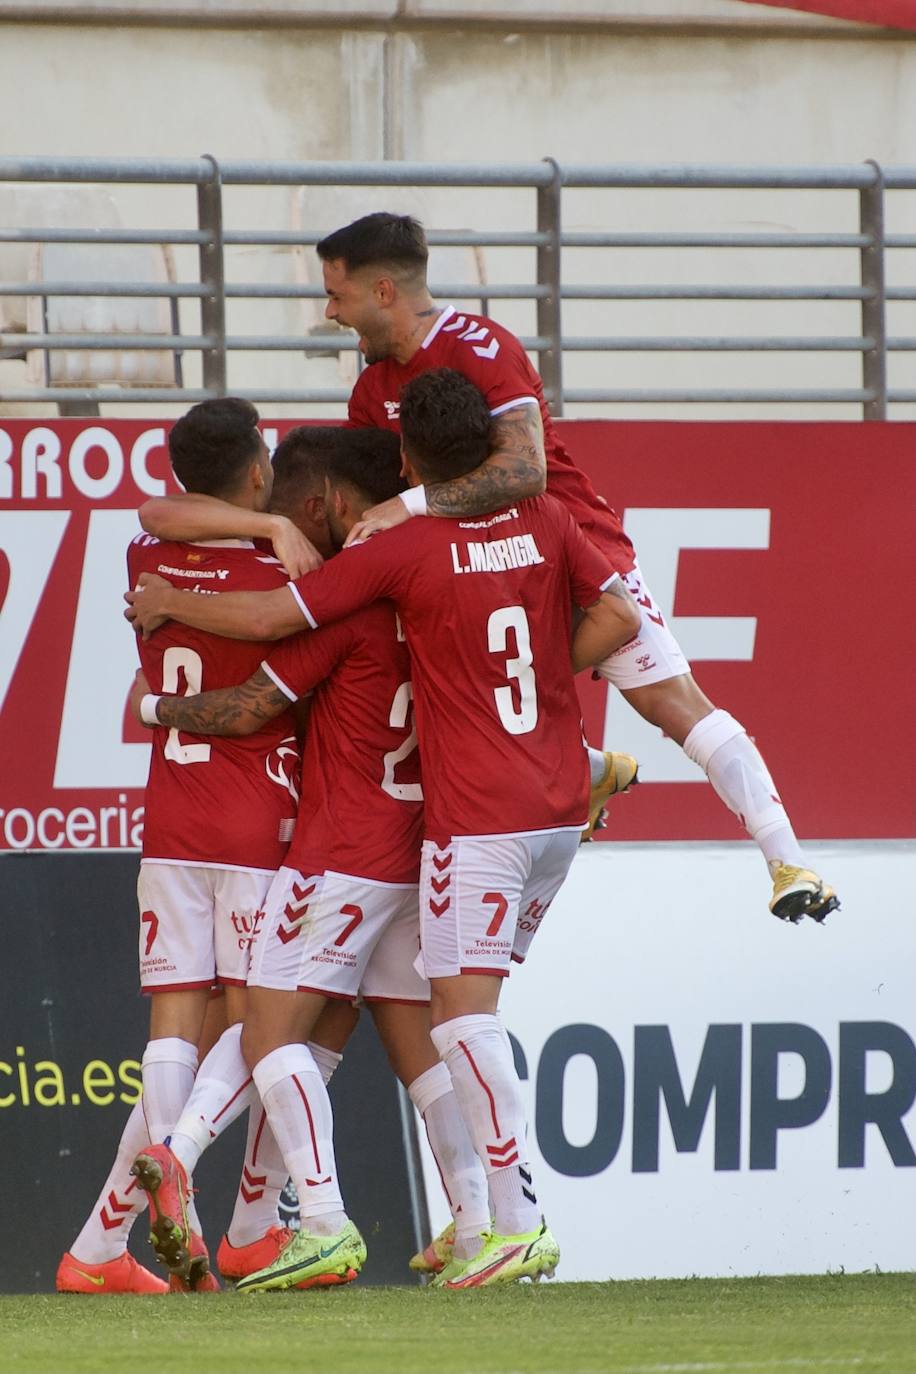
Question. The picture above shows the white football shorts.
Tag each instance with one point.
(653, 654)
(480, 897)
(197, 924)
(340, 936)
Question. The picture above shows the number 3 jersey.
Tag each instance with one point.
(486, 610)
(225, 802)
(361, 811)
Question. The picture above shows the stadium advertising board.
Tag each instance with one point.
(786, 568)
(710, 1091)
(72, 1029)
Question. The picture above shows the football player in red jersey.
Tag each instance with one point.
(375, 278)
(342, 916)
(205, 865)
(483, 604)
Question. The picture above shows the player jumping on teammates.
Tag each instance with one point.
(375, 278)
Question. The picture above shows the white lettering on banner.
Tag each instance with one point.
(143, 446)
(659, 534)
(105, 827)
(42, 468)
(103, 660)
(41, 454)
(30, 541)
(95, 437)
(43, 463)
(6, 471)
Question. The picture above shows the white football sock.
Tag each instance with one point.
(121, 1201)
(222, 1091)
(328, 1061)
(264, 1172)
(299, 1111)
(479, 1059)
(734, 766)
(169, 1066)
(597, 764)
(463, 1179)
(264, 1175)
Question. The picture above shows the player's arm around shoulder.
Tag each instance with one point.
(366, 571)
(515, 469)
(237, 710)
(237, 615)
(193, 516)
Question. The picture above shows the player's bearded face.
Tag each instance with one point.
(352, 303)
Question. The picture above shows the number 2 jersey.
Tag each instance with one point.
(493, 359)
(221, 802)
(486, 610)
(362, 806)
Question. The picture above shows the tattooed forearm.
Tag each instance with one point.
(228, 711)
(515, 469)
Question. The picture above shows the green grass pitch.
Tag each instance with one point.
(838, 1324)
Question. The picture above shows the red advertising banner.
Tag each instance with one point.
(783, 554)
(888, 14)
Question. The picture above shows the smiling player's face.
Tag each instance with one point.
(353, 301)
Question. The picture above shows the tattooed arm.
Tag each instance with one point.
(516, 468)
(228, 711)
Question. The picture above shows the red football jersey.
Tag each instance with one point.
(493, 359)
(362, 806)
(485, 606)
(213, 801)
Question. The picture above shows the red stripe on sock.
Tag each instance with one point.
(232, 1099)
(448, 1196)
(308, 1112)
(257, 1139)
(483, 1083)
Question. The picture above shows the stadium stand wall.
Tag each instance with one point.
(652, 84)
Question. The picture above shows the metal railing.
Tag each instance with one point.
(549, 288)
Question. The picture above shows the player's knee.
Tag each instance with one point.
(253, 1044)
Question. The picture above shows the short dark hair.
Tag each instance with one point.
(297, 463)
(367, 459)
(445, 424)
(379, 240)
(211, 446)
